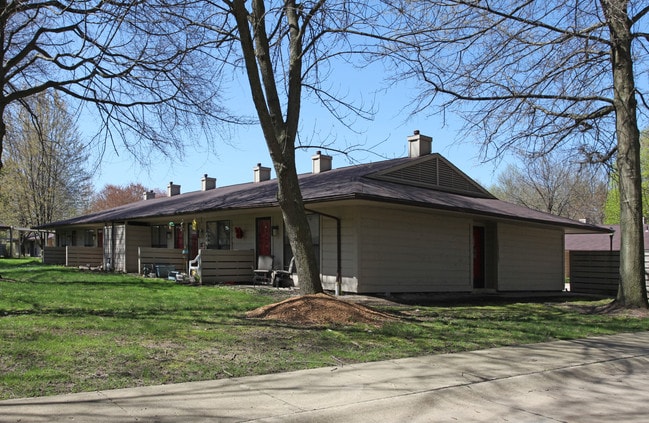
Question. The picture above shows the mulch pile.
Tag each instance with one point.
(320, 309)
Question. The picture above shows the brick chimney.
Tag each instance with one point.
(173, 189)
(419, 145)
(261, 173)
(208, 183)
(321, 162)
(148, 195)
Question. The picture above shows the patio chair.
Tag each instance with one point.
(194, 268)
(264, 271)
(283, 278)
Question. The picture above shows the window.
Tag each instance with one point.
(163, 235)
(219, 234)
(66, 238)
(89, 238)
(159, 236)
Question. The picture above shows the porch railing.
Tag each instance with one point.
(54, 255)
(74, 256)
(223, 266)
(170, 258)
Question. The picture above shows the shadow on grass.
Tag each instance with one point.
(143, 313)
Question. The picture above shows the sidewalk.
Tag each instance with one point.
(599, 379)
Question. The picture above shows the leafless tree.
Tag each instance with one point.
(152, 67)
(128, 58)
(554, 184)
(46, 176)
(286, 49)
(536, 75)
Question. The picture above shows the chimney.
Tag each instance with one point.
(208, 183)
(321, 162)
(149, 195)
(261, 173)
(419, 145)
(173, 189)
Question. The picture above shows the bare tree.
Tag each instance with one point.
(538, 75)
(128, 58)
(556, 185)
(152, 67)
(286, 49)
(45, 177)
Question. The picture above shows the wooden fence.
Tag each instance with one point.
(598, 272)
(595, 272)
(73, 256)
(222, 266)
(54, 255)
(161, 260)
(84, 256)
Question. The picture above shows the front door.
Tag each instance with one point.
(264, 236)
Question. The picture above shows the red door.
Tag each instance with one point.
(264, 233)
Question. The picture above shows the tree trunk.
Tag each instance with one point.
(279, 133)
(3, 131)
(632, 291)
(298, 231)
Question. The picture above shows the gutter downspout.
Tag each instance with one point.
(338, 290)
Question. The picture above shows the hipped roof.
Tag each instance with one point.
(406, 181)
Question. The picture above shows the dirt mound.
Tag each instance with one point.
(319, 309)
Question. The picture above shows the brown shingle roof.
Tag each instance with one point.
(602, 241)
(352, 182)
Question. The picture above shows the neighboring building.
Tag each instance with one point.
(413, 224)
(592, 261)
(609, 241)
(20, 242)
(600, 242)
(7, 240)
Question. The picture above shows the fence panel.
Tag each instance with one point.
(595, 272)
(84, 256)
(222, 266)
(54, 255)
(161, 260)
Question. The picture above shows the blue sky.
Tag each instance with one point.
(231, 161)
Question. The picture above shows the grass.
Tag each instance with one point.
(63, 330)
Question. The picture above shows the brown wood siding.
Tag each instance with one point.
(530, 259)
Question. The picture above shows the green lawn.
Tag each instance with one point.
(64, 330)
